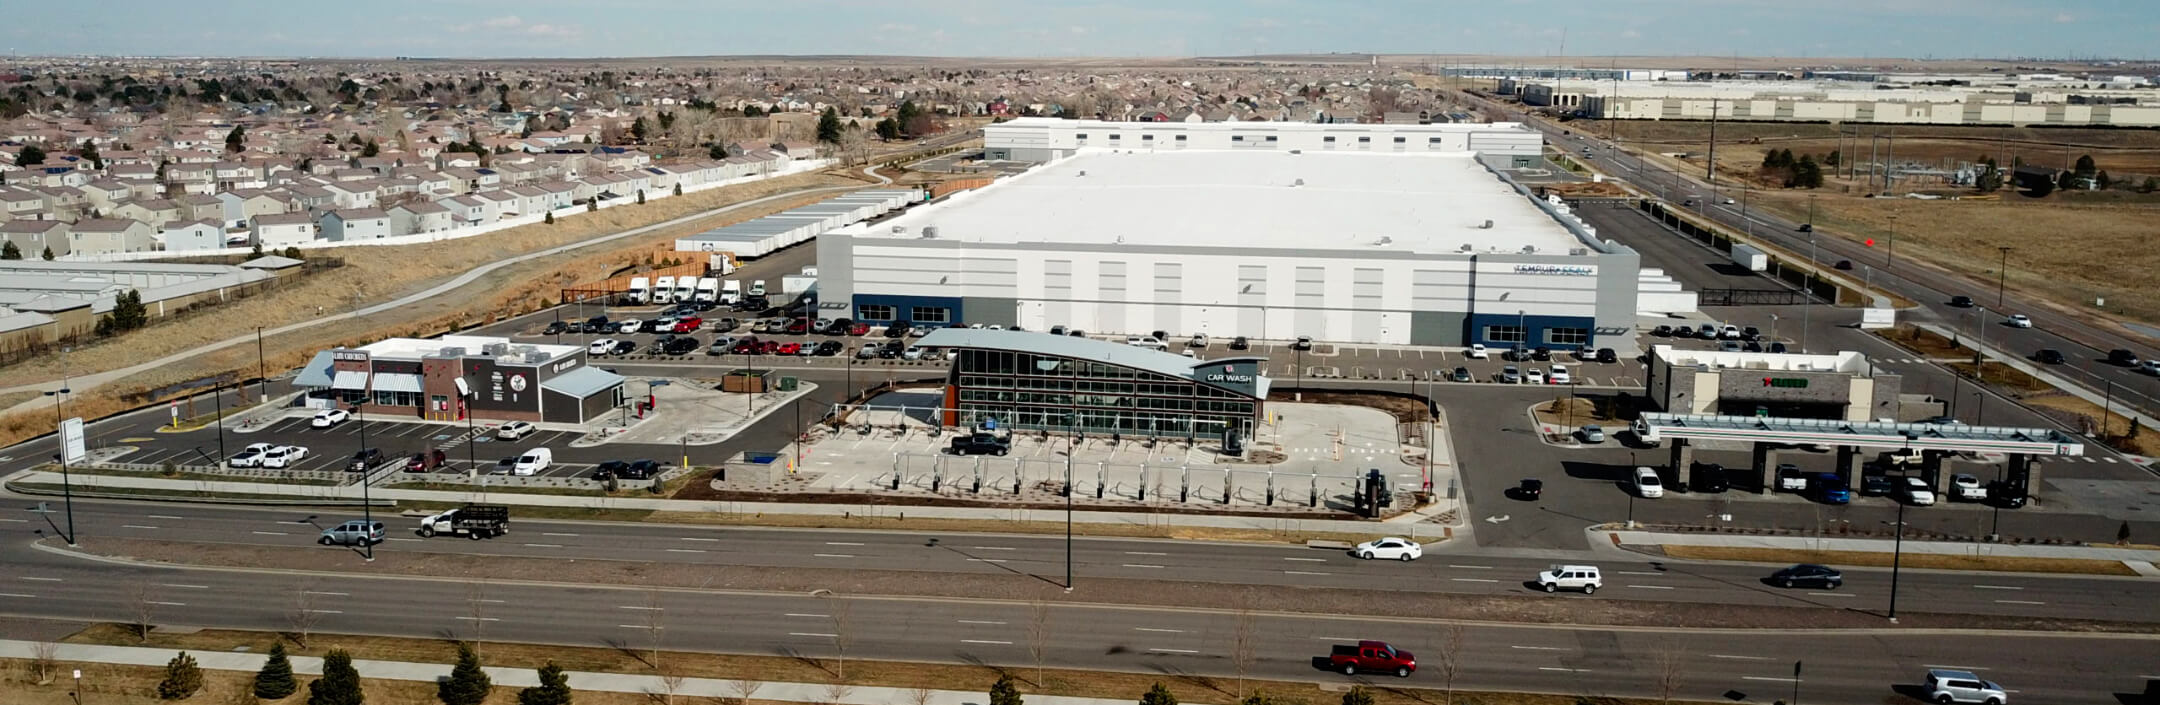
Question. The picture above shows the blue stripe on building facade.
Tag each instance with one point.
(902, 308)
(1555, 332)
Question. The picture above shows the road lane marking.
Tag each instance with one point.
(842, 543)
(831, 555)
(1539, 648)
(1998, 587)
(986, 560)
(1740, 658)
(327, 611)
(44, 580)
(1471, 567)
(1833, 594)
(184, 587)
(639, 607)
(819, 616)
(1636, 572)
(1303, 572)
(697, 538)
(543, 545)
(339, 594)
(16, 521)
(815, 634)
(1141, 565)
(1308, 560)
(1145, 553)
(272, 533)
(1780, 679)
(394, 538)
(17, 594)
(979, 621)
(1652, 587)
(556, 534)
(993, 548)
(1954, 668)
(1474, 580)
(642, 626)
(481, 619)
(1173, 651)
(160, 516)
(1569, 670)
(686, 550)
(170, 604)
(1154, 629)
(985, 641)
(137, 526)
(2021, 602)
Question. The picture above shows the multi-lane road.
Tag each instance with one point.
(1849, 666)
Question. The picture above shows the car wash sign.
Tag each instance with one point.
(1241, 375)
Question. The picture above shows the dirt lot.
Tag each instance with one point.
(378, 273)
(1492, 608)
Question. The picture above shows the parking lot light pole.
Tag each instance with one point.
(67, 488)
(262, 370)
(2002, 275)
(367, 507)
(1897, 556)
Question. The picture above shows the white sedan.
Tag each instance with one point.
(602, 346)
(1392, 547)
(329, 417)
(2018, 320)
(1559, 375)
(628, 325)
(1476, 352)
(1917, 492)
(249, 458)
(1533, 376)
(283, 456)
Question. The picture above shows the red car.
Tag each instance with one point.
(859, 329)
(747, 346)
(790, 349)
(799, 326)
(769, 347)
(688, 325)
(1371, 657)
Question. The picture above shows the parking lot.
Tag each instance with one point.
(329, 449)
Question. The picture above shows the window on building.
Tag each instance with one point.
(1271, 138)
(1363, 140)
(1115, 137)
(1082, 135)
(1432, 140)
(1147, 138)
(929, 314)
(1568, 336)
(1237, 138)
(1400, 140)
(1330, 139)
(1503, 334)
(1180, 138)
(874, 312)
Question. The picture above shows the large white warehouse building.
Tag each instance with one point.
(1351, 245)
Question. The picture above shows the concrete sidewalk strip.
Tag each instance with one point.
(1808, 543)
(525, 677)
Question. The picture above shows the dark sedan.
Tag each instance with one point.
(1808, 575)
(2049, 356)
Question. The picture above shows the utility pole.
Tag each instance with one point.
(262, 370)
(1710, 170)
(2002, 275)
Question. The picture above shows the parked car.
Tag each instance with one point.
(979, 444)
(1662, 331)
(913, 352)
(1461, 374)
(828, 348)
(513, 430)
(1730, 346)
(353, 533)
(1592, 433)
(1877, 485)
(329, 417)
(896, 330)
(624, 347)
(858, 329)
(249, 457)
(1477, 352)
(533, 462)
(1533, 376)
(1777, 347)
(867, 352)
(1541, 354)
(1303, 342)
(1391, 548)
(680, 346)
(1510, 375)
(1646, 484)
(1828, 488)
(1709, 477)
(2018, 320)
(2005, 494)
(602, 346)
(1961, 301)
(1559, 375)
(1607, 356)
(1239, 343)
(788, 349)
(1790, 478)
(283, 457)
(555, 328)
(1808, 575)
(629, 325)
(1917, 492)
(1371, 657)
(1966, 488)
(1586, 578)
(1199, 340)
(364, 460)
(1945, 686)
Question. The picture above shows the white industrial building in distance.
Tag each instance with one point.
(1401, 234)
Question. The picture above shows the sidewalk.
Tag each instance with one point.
(2129, 556)
(526, 677)
(1013, 514)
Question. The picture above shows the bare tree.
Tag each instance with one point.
(1671, 671)
(655, 628)
(670, 684)
(837, 691)
(304, 615)
(1039, 630)
(843, 629)
(918, 696)
(476, 603)
(1453, 637)
(142, 609)
(1244, 647)
(745, 687)
(44, 662)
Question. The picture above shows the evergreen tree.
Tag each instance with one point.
(236, 140)
(1833, 158)
(2102, 181)
(370, 149)
(888, 130)
(339, 684)
(30, 156)
(2065, 181)
(554, 688)
(716, 152)
(1807, 174)
(89, 151)
(1257, 699)
(550, 219)
(1357, 695)
(48, 253)
(2151, 184)
(678, 188)
(641, 197)
(1158, 695)
(1004, 693)
(275, 680)
(2085, 167)
(258, 249)
(467, 684)
(592, 205)
(8, 250)
(638, 129)
(182, 678)
(128, 312)
(828, 128)
(292, 252)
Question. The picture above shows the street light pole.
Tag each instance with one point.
(2002, 275)
(1897, 557)
(367, 506)
(67, 487)
(262, 370)
(1807, 303)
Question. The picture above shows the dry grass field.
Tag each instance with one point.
(375, 274)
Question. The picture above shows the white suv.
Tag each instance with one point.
(1572, 577)
(1477, 352)
(1946, 686)
(513, 430)
(1967, 488)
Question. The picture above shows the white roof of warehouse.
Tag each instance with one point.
(1432, 203)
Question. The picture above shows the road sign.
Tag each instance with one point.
(71, 441)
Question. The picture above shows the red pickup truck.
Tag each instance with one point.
(1372, 657)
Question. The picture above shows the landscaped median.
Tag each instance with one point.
(1947, 555)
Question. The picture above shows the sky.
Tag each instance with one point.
(1067, 28)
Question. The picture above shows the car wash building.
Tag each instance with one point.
(1039, 381)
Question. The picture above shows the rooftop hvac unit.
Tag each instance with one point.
(1486, 226)
(1083, 172)
(929, 232)
(458, 351)
(1299, 182)
(1529, 249)
(1755, 365)
(1384, 241)
(494, 349)
(540, 356)
(1465, 248)
(1579, 251)
(899, 229)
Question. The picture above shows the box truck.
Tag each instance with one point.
(708, 290)
(1751, 258)
(640, 291)
(663, 290)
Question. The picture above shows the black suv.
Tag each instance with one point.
(898, 329)
(634, 470)
(2122, 357)
(1239, 343)
(828, 348)
(2049, 356)
(365, 460)
(598, 324)
(680, 346)
(1709, 477)
(1961, 301)
(979, 444)
(1607, 356)
(556, 327)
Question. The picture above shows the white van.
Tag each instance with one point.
(640, 291)
(663, 291)
(533, 462)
